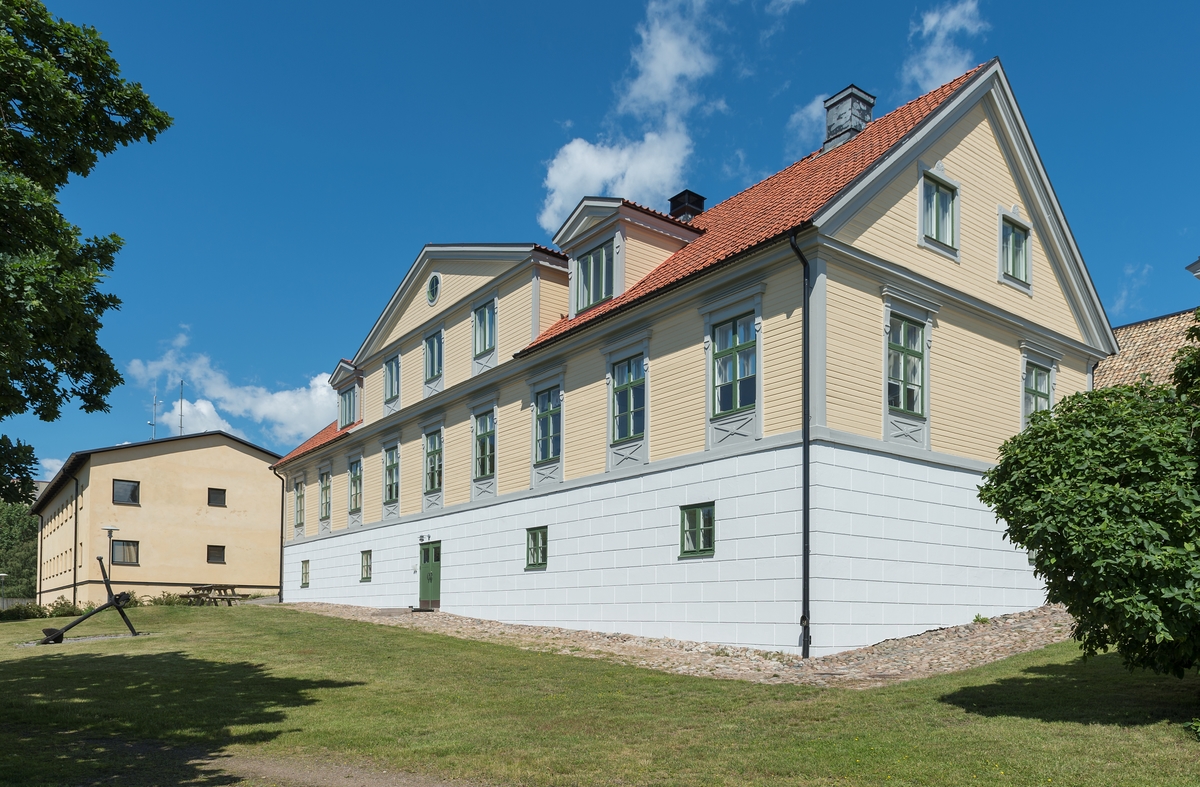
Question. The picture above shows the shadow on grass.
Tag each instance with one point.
(1098, 691)
(94, 719)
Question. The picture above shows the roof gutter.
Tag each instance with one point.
(805, 443)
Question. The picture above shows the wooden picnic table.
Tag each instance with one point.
(214, 594)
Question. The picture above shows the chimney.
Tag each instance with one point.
(846, 114)
(686, 205)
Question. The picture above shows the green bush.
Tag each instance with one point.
(63, 608)
(164, 599)
(23, 612)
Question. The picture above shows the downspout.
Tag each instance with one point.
(41, 527)
(805, 615)
(74, 546)
(282, 506)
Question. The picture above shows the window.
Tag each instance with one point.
(391, 475)
(355, 473)
(325, 484)
(594, 277)
(125, 553)
(303, 573)
(298, 495)
(347, 407)
(698, 530)
(906, 366)
(735, 385)
(365, 575)
(433, 356)
(127, 493)
(485, 328)
(391, 379)
(938, 212)
(535, 547)
(216, 554)
(548, 427)
(1037, 389)
(216, 497)
(629, 399)
(485, 445)
(433, 289)
(1014, 248)
(433, 461)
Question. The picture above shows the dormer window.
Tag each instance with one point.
(594, 277)
(347, 407)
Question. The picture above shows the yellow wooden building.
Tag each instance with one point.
(610, 434)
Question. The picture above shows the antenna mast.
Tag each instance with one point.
(181, 407)
(153, 422)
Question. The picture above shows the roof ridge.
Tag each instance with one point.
(1152, 319)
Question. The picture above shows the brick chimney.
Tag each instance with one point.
(846, 114)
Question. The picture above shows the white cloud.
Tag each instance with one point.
(289, 415)
(1132, 283)
(672, 56)
(781, 7)
(938, 58)
(51, 467)
(806, 127)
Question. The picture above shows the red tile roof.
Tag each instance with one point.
(1147, 347)
(321, 438)
(551, 252)
(767, 209)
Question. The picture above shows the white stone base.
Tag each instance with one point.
(899, 546)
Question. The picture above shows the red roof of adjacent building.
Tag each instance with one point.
(768, 209)
(323, 437)
(1147, 348)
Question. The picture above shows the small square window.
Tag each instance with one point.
(125, 553)
(698, 526)
(216, 497)
(536, 552)
(216, 554)
(365, 575)
(303, 573)
(127, 493)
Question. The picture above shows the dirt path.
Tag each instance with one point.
(931, 653)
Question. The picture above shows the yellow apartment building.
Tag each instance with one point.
(759, 423)
(184, 511)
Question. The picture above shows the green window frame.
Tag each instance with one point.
(594, 277)
(1037, 389)
(485, 328)
(391, 379)
(548, 425)
(303, 573)
(433, 462)
(939, 210)
(697, 530)
(325, 494)
(365, 563)
(906, 366)
(355, 473)
(1014, 247)
(629, 399)
(391, 474)
(536, 550)
(347, 407)
(735, 365)
(485, 445)
(433, 356)
(298, 502)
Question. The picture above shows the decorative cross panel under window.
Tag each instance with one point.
(628, 363)
(546, 398)
(908, 321)
(733, 374)
(354, 490)
(483, 324)
(432, 440)
(390, 459)
(433, 363)
(483, 451)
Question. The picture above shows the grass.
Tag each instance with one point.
(278, 683)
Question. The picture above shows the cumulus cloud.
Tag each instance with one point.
(288, 416)
(50, 467)
(938, 58)
(672, 56)
(806, 127)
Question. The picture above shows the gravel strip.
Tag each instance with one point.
(931, 653)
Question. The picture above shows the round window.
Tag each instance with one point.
(431, 291)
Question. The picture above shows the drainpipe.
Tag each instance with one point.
(41, 527)
(805, 613)
(282, 506)
(74, 546)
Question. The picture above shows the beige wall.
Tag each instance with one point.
(553, 297)
(645, 250)
(173, 522)
(459, 279)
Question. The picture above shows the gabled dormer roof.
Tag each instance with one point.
(343, 373)
(592, 212)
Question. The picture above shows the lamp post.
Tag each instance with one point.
(2, 576)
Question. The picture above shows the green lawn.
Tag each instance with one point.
(275, 682)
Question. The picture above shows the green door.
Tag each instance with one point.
(431, 575)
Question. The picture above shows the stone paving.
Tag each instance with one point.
(931, 653)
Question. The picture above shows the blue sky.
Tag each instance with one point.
(318, 146)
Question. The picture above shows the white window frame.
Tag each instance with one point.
(1013, 216)
(903, 427)
(577, 274)
(299, 504)
(348, 415)
(350, 463)
(324, 492)
(937, 175)
(489, 308)
(1033, 354)
(549, 470)
(391, 379)
(747, 299)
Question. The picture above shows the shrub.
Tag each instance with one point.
(63, 608)
(23, 612)
(164, 599)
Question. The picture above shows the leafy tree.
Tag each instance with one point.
(63, 104)
(18, 550)
(1103, 491)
